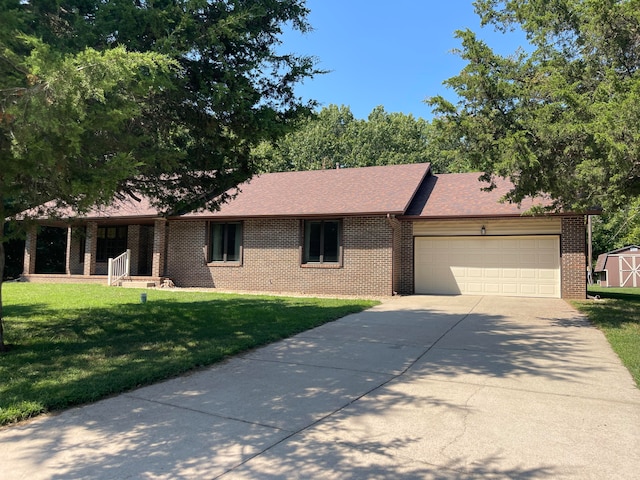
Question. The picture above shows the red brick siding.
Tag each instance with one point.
(397, 252)
(91, 249)
(133, 244)
(271, 259)
(406, 286)
(573, 258)
(158, 262)
(29, 264)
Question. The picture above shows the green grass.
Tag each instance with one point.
(618, 316)
(73, 344)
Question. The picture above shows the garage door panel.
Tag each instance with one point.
(514, 266)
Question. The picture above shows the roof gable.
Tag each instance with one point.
(345, 191)
(462, 195)
(623, 249)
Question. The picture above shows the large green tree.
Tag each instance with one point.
(335, 137)
(67, 129)
(617, 228)
(163, 98)
(561, 117)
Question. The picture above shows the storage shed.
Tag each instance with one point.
(619, 268)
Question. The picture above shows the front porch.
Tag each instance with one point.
(80, 252)
(131, 281)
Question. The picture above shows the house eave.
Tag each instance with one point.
(485, 216)
(289, 215)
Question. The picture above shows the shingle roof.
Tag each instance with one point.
(602, 261)
(461, 195)
(126, 208)
(346, 191)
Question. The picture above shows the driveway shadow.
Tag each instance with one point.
(475, 393)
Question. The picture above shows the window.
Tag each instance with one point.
(112, 241)
(225, 242)
(321, 241)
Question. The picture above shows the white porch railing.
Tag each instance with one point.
(119, 268)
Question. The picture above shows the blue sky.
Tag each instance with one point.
(390, 53)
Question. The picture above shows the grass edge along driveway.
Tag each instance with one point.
(74, 344)
(617, 314)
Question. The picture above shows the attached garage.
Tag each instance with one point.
(467, 241)
(525, 266)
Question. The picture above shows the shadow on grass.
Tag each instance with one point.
(61, 358)
(619, 308)
(632, 295)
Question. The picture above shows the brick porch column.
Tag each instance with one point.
(573, 257)
(90, 249)
(30, 251)
(159, 243)
(406, 286)
(133, 244)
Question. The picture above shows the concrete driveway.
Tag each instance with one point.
(418, 387)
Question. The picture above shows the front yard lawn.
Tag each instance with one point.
(618, 316)
(73, 344)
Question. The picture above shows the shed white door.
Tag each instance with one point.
(523, 266)
(629, 271)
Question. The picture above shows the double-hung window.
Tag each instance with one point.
(225, 242)
(322, 242)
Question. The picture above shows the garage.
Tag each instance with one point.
(523, 266)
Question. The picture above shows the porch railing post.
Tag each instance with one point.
(119, 267)
(110, 272)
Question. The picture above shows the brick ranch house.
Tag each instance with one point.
(373, 231)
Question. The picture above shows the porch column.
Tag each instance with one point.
(90, 249)
(573, 257)
(407, 277)
(30, 251)
(159, 244)
(67, 256)
(133, 244)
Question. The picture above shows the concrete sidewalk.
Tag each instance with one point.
(418, 387)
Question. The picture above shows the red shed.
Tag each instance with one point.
(619, 268)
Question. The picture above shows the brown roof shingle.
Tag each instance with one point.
(462, 195)
(346, 191)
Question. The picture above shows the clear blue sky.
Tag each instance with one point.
(393, 53)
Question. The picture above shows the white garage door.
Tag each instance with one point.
(509, 266)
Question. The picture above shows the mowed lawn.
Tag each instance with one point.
(72, 344)
(617, 314)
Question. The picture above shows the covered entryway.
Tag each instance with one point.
(524, 266)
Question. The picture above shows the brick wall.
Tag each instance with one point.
(29, 264)
(90, 250)
(397, 252)
(133, 244)
(271, 259)
(158, 258)
(573, 257)
(406, 285)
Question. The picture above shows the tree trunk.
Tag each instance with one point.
(3, 347)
